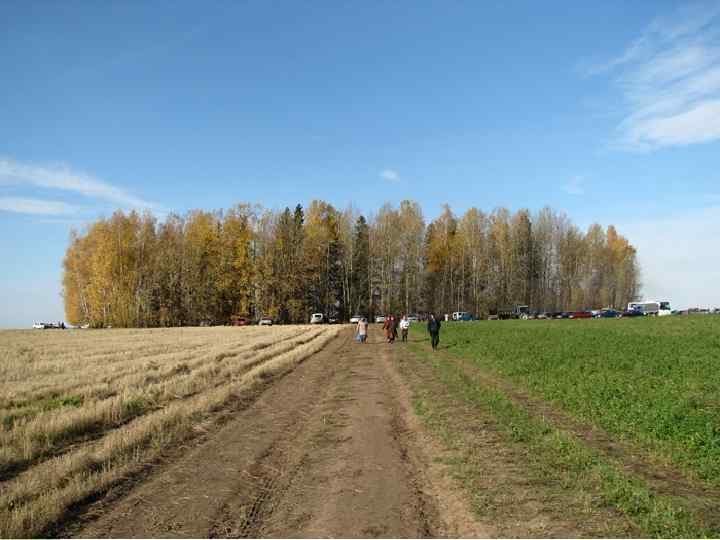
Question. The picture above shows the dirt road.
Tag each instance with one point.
(331, 449)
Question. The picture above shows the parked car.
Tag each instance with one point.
(240, 321)
(580, 315)
(317, 318)
(632, 313)
(265, 321)
(380, 318)
(607, 314)
(413, 318)
(356, 319)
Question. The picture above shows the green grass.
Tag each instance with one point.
(555, 456)
(653, 381)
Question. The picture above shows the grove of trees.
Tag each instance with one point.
(133, 270)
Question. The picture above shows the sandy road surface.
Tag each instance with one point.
(331, 449)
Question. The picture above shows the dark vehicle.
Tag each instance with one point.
(514, 311)
(580, 315)
(632, 313)
(240, 321)
(607, 314)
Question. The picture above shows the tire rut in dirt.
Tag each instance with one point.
(245, 514)
(425, 508)
(359, 478)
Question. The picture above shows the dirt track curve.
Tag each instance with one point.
(332, 449)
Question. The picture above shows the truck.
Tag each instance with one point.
(513, 311)
(651, 307)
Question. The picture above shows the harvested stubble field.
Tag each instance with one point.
(81, 410)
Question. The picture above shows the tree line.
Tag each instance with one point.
(132, 270)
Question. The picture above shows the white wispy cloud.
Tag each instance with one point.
(65, 179)
(669, 78)
(390, 175)
(36, 206)
(575, 186)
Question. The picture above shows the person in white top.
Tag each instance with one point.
(362, 330)
(404, 327)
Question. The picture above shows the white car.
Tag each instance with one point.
(317, 318)
(356, 319)
(380, 319)
(265, 321)
(413, 318)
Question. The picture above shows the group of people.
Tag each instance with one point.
(391, 325)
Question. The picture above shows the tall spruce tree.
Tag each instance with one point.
(360, 282)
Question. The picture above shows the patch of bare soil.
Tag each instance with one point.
(661, 476)
(330, 450)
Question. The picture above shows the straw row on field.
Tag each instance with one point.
(48, 432)
(36, 365)
(96, 379)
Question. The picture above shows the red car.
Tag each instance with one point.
(581, 315)
(240, 321)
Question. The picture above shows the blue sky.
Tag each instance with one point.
(609, 111)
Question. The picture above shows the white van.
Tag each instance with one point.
(651, 307)
(317, 318)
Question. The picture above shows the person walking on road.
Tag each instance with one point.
(362, 330)
(433, 327)
(390, 328)
(404, 327)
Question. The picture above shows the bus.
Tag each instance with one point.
(651, 307)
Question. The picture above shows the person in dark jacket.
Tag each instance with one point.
(433, 328)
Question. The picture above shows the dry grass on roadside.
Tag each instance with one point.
(114, 400)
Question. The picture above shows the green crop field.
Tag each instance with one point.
(654, 382)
